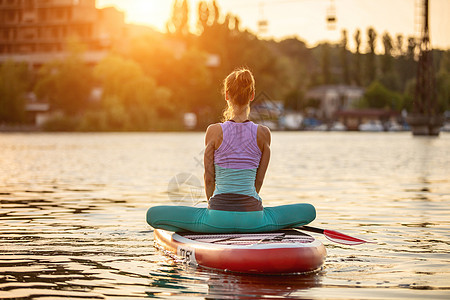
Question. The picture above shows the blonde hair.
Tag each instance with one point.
(240, 86)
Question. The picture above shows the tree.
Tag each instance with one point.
(131, 99)
(406, 64)
(179, 21)
(155, 55)
(203, 16)
(326, 72)
(216, 12)
(357, 71)
(190, 81)
(215, 35)
(378, 96)
(443, 82)
(66, 84)
(300, 65)
(295, 100)
(389, 76)
(235, 48)
(412, 45)
(115, 74)
(13, 85)
(344, 63)
(233, 22)
(184, 73)
(371, 68)
(386, 65)
(399, 45)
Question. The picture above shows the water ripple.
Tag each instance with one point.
(72, 216)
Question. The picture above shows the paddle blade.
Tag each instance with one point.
(341, 238)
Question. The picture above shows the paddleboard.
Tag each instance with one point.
(279, 252)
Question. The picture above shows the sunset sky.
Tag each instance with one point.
(306, 19)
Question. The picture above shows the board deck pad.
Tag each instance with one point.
(276, 237)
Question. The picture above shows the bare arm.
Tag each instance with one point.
(264, 140)
(212, 137)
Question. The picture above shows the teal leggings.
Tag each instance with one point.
(187, 218)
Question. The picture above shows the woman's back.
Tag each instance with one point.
(239, 148)
(236, 162)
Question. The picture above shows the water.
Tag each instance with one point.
(72, 216)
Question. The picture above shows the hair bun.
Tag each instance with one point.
(244, 76)
(239, 86)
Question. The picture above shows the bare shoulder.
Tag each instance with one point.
(263, 136)
(213, 134)
(264, 132)
(213, 130)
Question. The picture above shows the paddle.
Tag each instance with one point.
(335, 236)
(332, 235)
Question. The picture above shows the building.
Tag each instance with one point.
(37, 31)
(333, 98)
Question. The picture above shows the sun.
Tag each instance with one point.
(145, 12)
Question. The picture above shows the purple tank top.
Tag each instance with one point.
(239, 148)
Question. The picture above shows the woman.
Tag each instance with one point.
(236, 158)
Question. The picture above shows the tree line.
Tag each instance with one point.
(152, 82)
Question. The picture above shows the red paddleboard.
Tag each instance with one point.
(279, 252)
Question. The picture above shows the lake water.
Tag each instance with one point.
(72, 215)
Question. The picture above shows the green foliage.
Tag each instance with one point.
(357, 74)
(131, 100)
(95, 121)
(13, 85)
(443, 83)
(238, 48)
(412, 45)
(179, 21)
(155, 54)
(391, 80)
(408, 96)
(203, 15)
(293, 100)
(344, 58)
(378, 96)
(61, 122)
(386, 63)
(297, 61)
(371, 67)
(296, 101)
(116, 73)
(65, 84)
(150, 84)
(399, 45)
(326, 72)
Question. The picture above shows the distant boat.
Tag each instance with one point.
(394, 126)
(373, 126)
(338, 126)
(321, 127)
(291, 121)
(446, 127)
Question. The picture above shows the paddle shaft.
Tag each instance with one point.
(335, 236)
(312, 229)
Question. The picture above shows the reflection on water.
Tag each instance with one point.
(72, 216)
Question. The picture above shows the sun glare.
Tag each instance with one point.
(305, 19)
(148, 12)
(145, 11)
